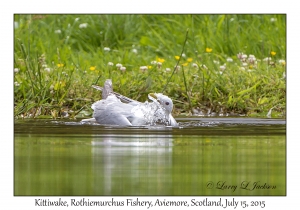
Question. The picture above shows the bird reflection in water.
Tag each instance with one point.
(136, 164)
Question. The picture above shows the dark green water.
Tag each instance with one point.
(205, 156)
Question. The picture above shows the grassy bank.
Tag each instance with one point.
(230, 64)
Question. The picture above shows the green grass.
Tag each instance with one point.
(57, 59)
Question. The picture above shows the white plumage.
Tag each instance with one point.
(112, 110)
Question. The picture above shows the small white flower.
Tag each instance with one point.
(17, 84)
(244, 64)
(76, 19)
(118, 65)
(16, 70)
(273, 19)
(106, 49)
(282, 62)
(143, 68)
(47, 69)
(240, 55)
(123, 68)
(216, 62)
(231, 19)
(153, 62)
(267, 59)
(134, 51)
(222, 68)
(195, 65)
(57, 31)
(244, 56)
(221, 72)
(229, 60)
(195, 76)
(251, 59)
(168, 70)
(83, 25)
(205, 67)
(178, 67)
(183, 55)
(159, 64)
(110, 63)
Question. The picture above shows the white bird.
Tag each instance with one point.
(116, 109)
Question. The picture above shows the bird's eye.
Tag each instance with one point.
(167, 103)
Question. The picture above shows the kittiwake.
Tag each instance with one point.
(116, 109)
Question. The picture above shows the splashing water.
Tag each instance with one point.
(152, 112)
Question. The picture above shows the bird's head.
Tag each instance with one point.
(164, 100)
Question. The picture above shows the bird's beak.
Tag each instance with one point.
(153, 95)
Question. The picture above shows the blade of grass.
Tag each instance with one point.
(186, 91)
(186, 36)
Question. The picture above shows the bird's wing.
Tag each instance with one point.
(107, 88)
(112, 119)
(119, 96)
(112, 111)
(172, 121)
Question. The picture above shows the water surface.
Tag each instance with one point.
(203, 156)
